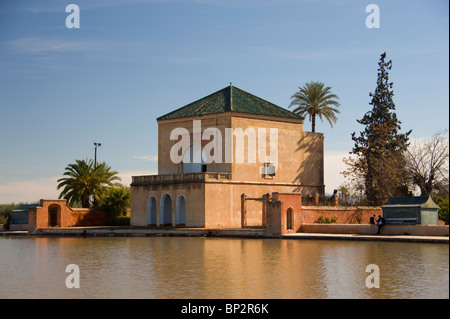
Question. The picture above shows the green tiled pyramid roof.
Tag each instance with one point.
(230, 99)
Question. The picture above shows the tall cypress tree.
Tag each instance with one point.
(380, 147)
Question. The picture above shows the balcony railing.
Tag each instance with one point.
(180, 178)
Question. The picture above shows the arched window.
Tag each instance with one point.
(181, 211)
(290, 219)
(151, 211)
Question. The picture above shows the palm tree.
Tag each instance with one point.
(316, 100)
(85, 180)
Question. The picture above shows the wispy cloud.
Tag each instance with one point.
(151, 158)
(40, 45)
(33, 190)
(336, 53)
(29, 190)
(58, 6)
(138, 50)
(339, 53)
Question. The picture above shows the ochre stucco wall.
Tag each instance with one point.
(344, 214)
(38, 217)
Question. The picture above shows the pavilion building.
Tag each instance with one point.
(220, 150)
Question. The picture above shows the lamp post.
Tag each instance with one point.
(95, 155)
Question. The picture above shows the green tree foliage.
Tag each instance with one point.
(443, 208)
(380, 147)
(6, 210)
(84, 180)
(314, 99)
(115, 202)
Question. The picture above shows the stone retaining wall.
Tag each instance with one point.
(344, 214)
(414, 230)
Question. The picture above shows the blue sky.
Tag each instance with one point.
(131, 61)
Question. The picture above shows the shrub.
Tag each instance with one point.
(6, 210)
(443, 208)
(326, 220)
(119, 221)
(115, 202)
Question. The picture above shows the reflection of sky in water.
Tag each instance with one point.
(170, 267)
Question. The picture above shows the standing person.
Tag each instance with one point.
(380, 223)
(372, 224)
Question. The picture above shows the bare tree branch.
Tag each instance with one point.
(427, 163)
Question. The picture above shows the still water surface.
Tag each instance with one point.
(171, 267)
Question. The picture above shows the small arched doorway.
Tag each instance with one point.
(151, 211)
(181, 211)
(290, 219)
(54, 216)
(165, 212)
